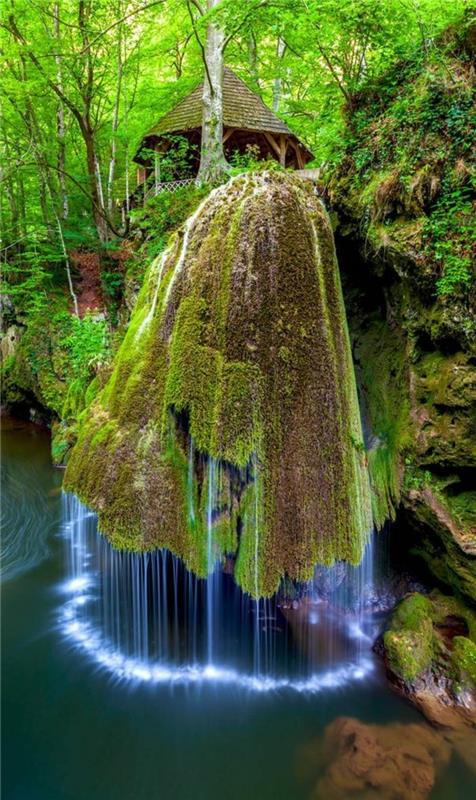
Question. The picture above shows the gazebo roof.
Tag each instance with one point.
(242, 109)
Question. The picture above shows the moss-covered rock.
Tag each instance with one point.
(402, 195)
(464, 660)
(445, 534)
(430, 649)
(409, 642)
(230, 423)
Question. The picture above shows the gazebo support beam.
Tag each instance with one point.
(229, 132)
(299, 158)
(283, 146)
(273, 143)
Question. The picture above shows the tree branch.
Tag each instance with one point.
(200, 43)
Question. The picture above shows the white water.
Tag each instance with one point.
(144, 618)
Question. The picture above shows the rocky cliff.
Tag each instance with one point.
(403, 201)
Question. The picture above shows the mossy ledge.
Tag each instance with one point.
(234, 382)
(431, 645)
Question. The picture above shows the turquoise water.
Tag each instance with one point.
(73, 731)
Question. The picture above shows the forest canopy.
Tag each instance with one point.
(82, 81)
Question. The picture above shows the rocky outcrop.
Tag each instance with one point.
(430, 654)
(411, 299)
(230, 423)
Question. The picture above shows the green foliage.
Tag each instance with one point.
(250, 161)
(85, 342)
(312, 60)
(176, 163)
(113, 284)
(408, 172)
(449, 233)
(416, 478)
(164, 213)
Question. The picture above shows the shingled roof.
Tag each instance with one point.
(242, 108)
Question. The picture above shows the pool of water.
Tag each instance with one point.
(74, 729)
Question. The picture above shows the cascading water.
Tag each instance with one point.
(239, 342)
(211, 560)
(238, 339)
(143, 617)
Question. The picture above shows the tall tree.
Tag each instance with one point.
(213, 164)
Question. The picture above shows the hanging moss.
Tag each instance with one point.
(381, 355)
(238, 344)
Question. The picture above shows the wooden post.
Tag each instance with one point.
(299, 158)
(229, 132)
(283, 146)
(156, 172)
(272, 142)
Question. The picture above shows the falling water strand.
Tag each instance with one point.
(140, 617)
(210, 557)
(159, 268)
(257, 649)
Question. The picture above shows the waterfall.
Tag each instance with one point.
(211, 560)
(236, 362)
(141, 616)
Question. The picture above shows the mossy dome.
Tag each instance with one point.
(232, 404)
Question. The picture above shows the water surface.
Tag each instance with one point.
(73, 730)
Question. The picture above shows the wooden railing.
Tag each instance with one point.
(172, 186)
(167, 186)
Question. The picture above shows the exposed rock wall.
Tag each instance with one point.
(403, 199)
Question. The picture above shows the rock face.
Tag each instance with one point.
(411, 299)
(230, 423)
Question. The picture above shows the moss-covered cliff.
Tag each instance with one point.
(403, 196)
(230, 423)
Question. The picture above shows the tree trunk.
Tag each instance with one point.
(95, 183)
(115, 122)
(60, 125)
(278, 81)
(253, 60)
(213, 165)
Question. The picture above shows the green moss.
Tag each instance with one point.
(237, 347)
(381, 356)
(409, 653)
(63, 437)
(413, 643)
(405, 181)
(411, 612)
(464, 660)
(447, 606)
(409, 642)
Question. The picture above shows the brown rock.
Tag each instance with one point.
(388, 762)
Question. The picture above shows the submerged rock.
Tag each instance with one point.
(388, 762)
(230, 424)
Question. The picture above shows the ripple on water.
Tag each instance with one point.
(26, 518)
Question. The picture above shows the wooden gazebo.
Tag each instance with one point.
(246, 121)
